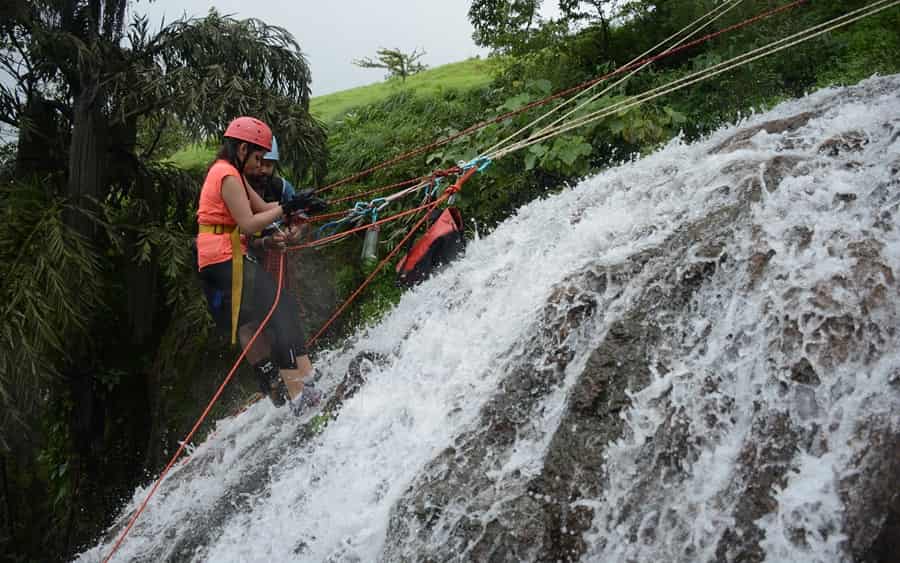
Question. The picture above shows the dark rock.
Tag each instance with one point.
(779, 168)
(722, 191)
(871, 273)
(803, 372)
(758, 263)
(872, 493)
(742, 139)
(801, 236)
(851, 141)
(845, 198)
(766, 455)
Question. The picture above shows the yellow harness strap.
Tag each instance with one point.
(237, 270)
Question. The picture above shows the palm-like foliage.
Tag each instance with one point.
(49, 294)
(80, 83)
(96, 272)
(203, 69)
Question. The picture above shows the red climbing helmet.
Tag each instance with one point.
(251, 130)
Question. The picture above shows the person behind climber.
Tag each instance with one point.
(267, 246)
(238, 291)
(267, 182)
(273, 187)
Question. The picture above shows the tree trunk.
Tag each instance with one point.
(40, 150)
(7, 501)
(86, 156)
(142, 279)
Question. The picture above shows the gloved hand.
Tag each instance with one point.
(306, 200)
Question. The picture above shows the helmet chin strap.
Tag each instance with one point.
(241, 164)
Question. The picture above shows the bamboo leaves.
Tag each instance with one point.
(51, 290)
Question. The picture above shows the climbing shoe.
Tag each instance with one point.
(278, 393)
(309, 397)
(269, 380)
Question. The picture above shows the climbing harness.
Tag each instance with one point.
(237, 269)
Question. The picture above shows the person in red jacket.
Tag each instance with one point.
(239, 292)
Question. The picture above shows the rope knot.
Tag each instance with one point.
(480, 163)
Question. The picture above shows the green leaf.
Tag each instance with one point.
(542, 86)
(616, 125)
(515, 102)
(675, 117)
(538, 150)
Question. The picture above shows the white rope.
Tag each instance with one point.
(632, 73)
(705, 74)
(701, 75)
(711, 14)
(406, 191)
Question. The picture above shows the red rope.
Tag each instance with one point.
(200, 420)
(403, 184)
(427, 207)
(412, 231)
(326, 217)
(433, 176)
(336, 214)
(469, 130)
(377, 269)
(338, 236)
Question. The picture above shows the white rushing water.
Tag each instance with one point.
(450, 342)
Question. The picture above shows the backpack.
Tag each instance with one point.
(441, 244)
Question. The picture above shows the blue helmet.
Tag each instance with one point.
(272, 154)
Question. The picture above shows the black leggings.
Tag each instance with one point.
(284, 331)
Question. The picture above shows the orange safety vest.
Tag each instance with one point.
(214, 221)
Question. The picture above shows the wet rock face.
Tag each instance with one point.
(451, 512)
(851, 141)
(201, 527)
(465, 507)
(872, 496)
(768, 462)
(742, 139)
(624, 433)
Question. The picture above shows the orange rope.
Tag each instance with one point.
(200, 420)
(338, 236)
(562, 93)
(403, 184)
(377, 269)
(453, 189)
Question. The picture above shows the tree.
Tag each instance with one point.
(96, 284)
(515, 26)
(395, 61)
(504, 25)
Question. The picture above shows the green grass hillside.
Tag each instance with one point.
(464, 75)
(195, 158)
(471, 73)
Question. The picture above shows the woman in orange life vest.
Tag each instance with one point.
(239, 292)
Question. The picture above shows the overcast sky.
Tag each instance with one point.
(331, 34)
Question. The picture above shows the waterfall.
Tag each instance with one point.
(690, 357)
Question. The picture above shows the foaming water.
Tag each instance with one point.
(253, 492)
